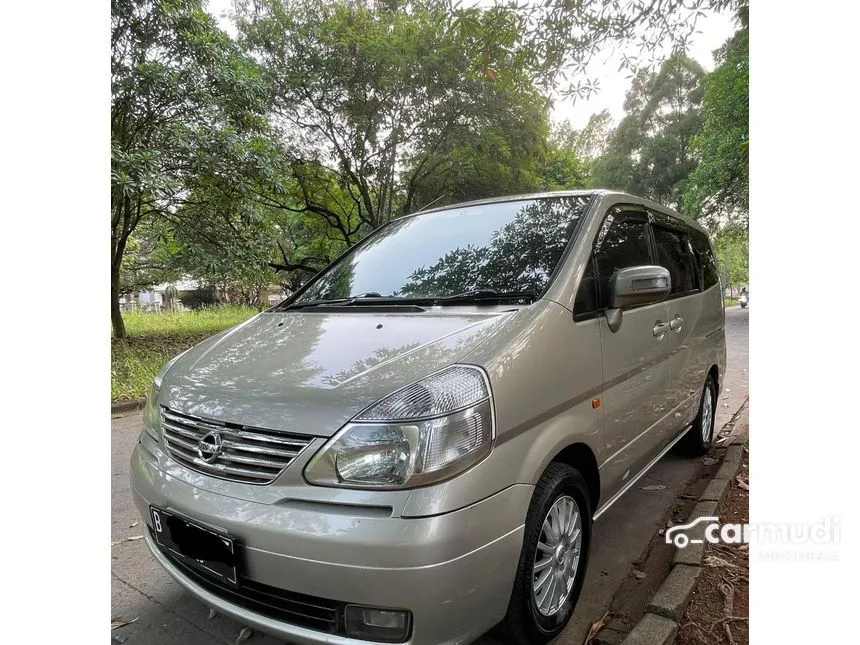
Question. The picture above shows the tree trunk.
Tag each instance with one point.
(117, 250)
(116, 320)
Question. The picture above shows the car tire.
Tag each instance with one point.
(697, 441)
(536, 612)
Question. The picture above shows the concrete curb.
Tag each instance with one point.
(127, 406)
(659, 625)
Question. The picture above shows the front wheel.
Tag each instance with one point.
(554, 557)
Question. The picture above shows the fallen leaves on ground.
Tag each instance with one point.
(728, 592)
(596, 626)
(719, 607)
(639, 575)
(133, 538)
(133, 524)
(118, 622)
(709, 461)
(717, 561)
(212, 614)
(244, 635)
(742, 483)
(655, 487)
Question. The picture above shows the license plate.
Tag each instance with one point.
(208, 551)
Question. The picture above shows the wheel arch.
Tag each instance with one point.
(714, 373)
(581, 457)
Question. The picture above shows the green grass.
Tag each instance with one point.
(731, 301)
(208, 320)
(155, 338)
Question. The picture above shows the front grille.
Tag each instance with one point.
(285, 606)
(251, 455)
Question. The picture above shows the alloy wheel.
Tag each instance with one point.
(557, 556)
(707, 415)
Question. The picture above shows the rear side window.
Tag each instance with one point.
(707, 261)
(673, 253)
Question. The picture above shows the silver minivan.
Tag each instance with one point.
(413, 447)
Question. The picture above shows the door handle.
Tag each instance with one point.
(676, 323)
(660, 328)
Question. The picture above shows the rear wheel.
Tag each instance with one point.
(553, 559)
(698, 439)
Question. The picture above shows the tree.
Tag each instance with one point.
(649, 152)
(147, 260)
(187, 111)
(731, 244)
(499, 150)
(563, 165)
(560, 38)
(376, 104)
(718, 189)
(325, 118)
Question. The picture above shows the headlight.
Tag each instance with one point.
(152, 412)
(426, 432)
(152, 415)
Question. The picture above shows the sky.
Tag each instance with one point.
(714, 29)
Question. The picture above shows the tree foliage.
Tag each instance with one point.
(187, 118)
(649, 152)
(718, 188)
(257, 159)
(731, 244)
(378, 105)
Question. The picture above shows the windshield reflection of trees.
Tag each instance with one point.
(520, 256)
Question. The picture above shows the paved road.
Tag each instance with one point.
(165, 615)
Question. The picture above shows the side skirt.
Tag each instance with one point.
(639, 475)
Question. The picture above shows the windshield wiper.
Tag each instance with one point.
(373, 299)
(485, 295)
(370, 299)
(314, 303)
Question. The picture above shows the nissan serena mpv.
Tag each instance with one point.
(413, 447)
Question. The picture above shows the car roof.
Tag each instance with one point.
(511, 198)
(564, 193)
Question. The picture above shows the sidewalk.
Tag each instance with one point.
(695, 592)
(719, 607)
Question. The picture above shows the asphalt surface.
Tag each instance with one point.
(163, 614)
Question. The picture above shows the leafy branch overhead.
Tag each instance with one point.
(257, 158)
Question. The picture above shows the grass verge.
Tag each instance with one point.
(155, 338)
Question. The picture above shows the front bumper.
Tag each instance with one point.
(454, 572)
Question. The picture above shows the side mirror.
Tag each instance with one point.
(633, 287)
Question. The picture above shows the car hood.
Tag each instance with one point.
(309, 372)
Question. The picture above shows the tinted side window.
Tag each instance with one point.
(673, 252)
(625, 244)
(707, 261)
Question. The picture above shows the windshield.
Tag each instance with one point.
(507, 247)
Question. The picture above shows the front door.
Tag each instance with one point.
(635, 370)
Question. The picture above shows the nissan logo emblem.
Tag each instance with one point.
(209, 447)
